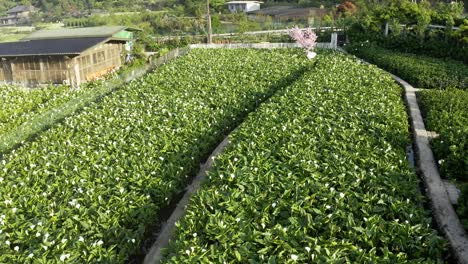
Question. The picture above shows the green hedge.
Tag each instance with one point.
(318, 174)
(446, 112)
(436, 44)
(420, 71)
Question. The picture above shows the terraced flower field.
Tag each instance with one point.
(86, 190)
(318, 174)
(316, 171)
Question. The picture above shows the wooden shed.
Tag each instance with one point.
(288, 13)
(71, 56)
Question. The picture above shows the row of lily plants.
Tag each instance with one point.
(420, 71)
(21, 104)
(87, 189)
(446, 112)
(318, 174)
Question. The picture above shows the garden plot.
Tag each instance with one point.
(86, 190)
(21, 104)
(317, 174)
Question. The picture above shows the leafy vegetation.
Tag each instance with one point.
(318, 174)
(446, 112)
(432, 46)
(20, 104)
(420, 71)
(12, 34)
(193, 7)
(86, 190)
(408, 24)
(166, 17)
(32, 119)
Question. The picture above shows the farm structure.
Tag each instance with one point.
(288, 13)
(70, 56)
(243, 6)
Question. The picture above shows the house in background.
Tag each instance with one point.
(70, 56)
(288, 13)
(17, 15)
(243, 6)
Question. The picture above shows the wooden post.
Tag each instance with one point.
(75, 78)
(68, 71)
(76, 68)
(13, 71)
(209, 37)
(334, 40)
(42, 73)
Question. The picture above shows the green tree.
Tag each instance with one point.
(268, 23)
(462, 33)
(423, 19)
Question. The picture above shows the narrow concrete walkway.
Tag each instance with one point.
(155, 253)
(443, 211)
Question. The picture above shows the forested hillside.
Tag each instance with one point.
(70, 7)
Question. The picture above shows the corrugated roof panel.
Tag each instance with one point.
(90, 32)
(69, 46)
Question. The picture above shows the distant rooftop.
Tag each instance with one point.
(287, 11)
(90, 32)
(20, 8)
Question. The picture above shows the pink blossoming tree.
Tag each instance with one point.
(306, 38)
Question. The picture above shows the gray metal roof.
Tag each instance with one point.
(68, 46)
(19, 8)
(89, 32)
